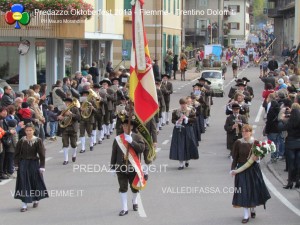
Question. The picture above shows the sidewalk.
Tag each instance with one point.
(277, 169)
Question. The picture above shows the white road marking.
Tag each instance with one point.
(174, 91)
(271, 187)
(158, 150)
(281, 198)
(178, 88)
(141, 210)
(3, 182)
(254, 126)
(48, 158)
(165, 142)
(259, 114)
(171, 135)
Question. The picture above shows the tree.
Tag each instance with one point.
(258, 11)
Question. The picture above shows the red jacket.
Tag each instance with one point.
(25, 113)
(266, 93)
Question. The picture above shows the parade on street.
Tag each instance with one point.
(198, 126)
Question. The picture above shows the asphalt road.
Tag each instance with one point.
(86, 193)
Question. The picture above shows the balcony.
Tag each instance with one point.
(195, 32)
(43, 26)
(274, 13)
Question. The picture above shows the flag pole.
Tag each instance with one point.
(128, 133)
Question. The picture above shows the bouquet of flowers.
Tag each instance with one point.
(259, 149)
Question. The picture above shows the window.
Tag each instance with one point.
(247, 26)
(235, 8)
(127, 5)
(232, 41)
(169, 6)
(234, 26)
(174, 7)
(165, 5)
(170, 42)
(178, 7)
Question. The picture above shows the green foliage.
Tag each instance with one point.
(258, 6)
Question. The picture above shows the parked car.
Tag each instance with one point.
(216, 79)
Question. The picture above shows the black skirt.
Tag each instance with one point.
(250, 188)
(183, 144)
(201, 123)
(30, 184)
(197, 132)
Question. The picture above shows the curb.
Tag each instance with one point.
(277, 176)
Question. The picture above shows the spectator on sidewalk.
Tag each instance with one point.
(52, 116)
(273, 64)
(183, 67)
(175, 66)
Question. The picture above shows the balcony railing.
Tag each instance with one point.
(195, 32)
(44, 26)
(273, 13)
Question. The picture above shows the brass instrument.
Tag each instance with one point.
(121, 111)
(67, 120)
(114, 87)
(87, 106)
(237, 129)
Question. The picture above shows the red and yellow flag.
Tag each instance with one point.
(142, 89)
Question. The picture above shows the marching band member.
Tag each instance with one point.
(128, 145)
(68, 121)
(121, 112)
(233, 126)
(29, 161)
(183, 144)
(108, 106)
(87, 110)
(167, 90)
(239, 99)
(247, 87)
(208, 94)
(99, 112)
(235, 64)
(192, 104)
(161, 103)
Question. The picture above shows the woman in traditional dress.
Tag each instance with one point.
(250, 188)
(30, 163)
(184, 143)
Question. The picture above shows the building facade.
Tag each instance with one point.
(59, 45)
(208, 15)
(237, 25)
(286, 23)
(163, 25)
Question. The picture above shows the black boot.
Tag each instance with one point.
(290, 180)
(297, 185)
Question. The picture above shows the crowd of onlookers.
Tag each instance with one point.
(282, 106)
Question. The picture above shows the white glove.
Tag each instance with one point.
(42, 170)
(113, 172)
(128, 138)
(186, 119)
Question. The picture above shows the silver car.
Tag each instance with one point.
(216, 79)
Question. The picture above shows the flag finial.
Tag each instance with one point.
(133, 2)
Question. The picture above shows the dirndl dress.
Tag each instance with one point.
(250, 188)
(184, 143)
